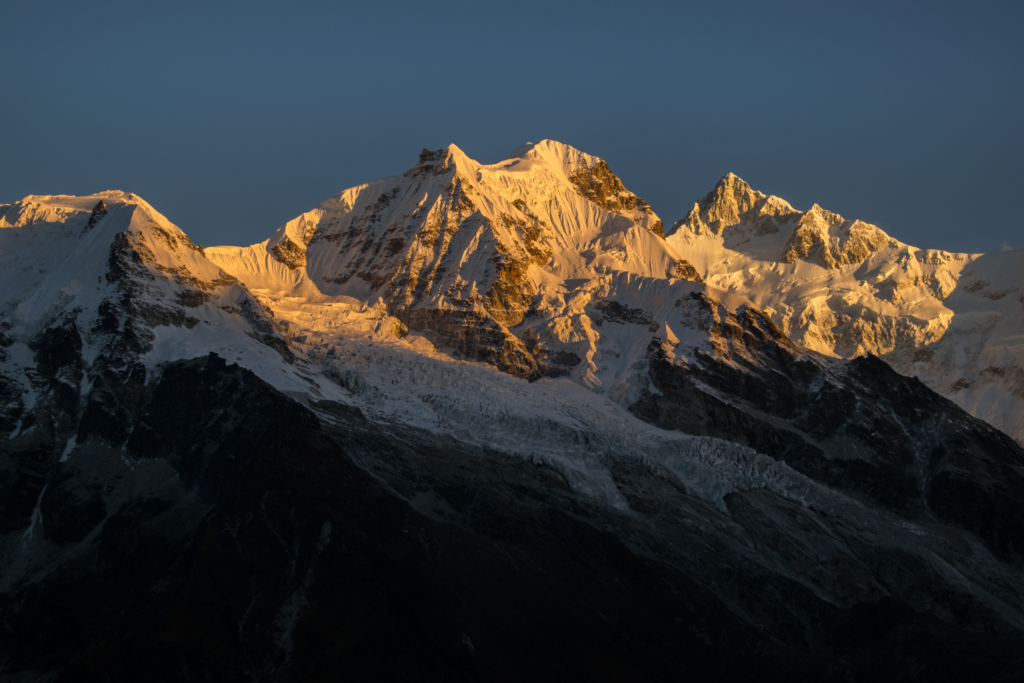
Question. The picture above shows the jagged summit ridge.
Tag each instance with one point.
(456, 249)
(845, 288)
(724, 205)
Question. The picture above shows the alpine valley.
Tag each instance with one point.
(499, 422)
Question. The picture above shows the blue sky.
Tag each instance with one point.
(231, 118)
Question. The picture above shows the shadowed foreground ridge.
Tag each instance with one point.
(257, 538)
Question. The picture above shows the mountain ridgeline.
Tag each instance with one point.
(497, 422)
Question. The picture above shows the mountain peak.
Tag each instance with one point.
(731, 185)
(40, 210)
(558, 156)
(545, 147)
(442, 160)
(335, 370)
(731, 179)
(591, 177)
(722, 207)
(736, 213)
(455, 154)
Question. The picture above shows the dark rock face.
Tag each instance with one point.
(97, 213)
(290, 254)
(856, 426)
(684, 270)
(616, 312)
(477, 336)
(601, 186)
(243, 536)
(11, 404)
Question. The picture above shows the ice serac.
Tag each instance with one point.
(845, 288)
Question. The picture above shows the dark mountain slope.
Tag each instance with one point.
(857, 426)
(244, 536)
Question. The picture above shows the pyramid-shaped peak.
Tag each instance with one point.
(442, 161)
(732, 195)
(723, 206)
(734, 182)
(452, 151)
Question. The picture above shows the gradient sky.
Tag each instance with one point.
(233, 118)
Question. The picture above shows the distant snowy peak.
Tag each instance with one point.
(739, 215)
(557, 164)
(845, 288)
(731, 201)
(60, 210)
(542, 264)
(113, 219)
(568, 196)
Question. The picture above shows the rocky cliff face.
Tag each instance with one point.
(858, 427)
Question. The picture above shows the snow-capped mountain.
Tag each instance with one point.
(844, 288)
(460, 250)
(108, 284)
(468, 392)
(505, 279)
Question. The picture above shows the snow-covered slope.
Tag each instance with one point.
(541, 265)
(104, 288)
(103, 291)
(845, 288)
(465, 252)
